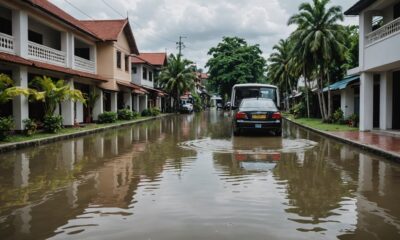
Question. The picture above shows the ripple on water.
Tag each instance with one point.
(249, 146)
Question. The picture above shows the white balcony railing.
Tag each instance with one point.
(84, 64)
(46, 54)
(383, 32)
(6, 43)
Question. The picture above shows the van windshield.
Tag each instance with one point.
(254, 92)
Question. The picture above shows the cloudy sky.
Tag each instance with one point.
(157, 24)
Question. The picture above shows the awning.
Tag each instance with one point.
(159, 93)
(343, 83)
(135, 88)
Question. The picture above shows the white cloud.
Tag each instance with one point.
(157, 24)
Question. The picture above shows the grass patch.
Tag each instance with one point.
(15, 138)
(318, 124)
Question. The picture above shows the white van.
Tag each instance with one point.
(254, 90)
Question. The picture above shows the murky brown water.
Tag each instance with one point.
(185, 177)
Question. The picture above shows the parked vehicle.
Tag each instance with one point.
(254, 90)
(257, 113)
(186, 106)
(227, 106)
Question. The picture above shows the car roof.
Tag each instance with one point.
(257, 99)
(254, 85)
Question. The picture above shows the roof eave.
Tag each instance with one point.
(358, 7)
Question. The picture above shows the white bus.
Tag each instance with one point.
(254, 90)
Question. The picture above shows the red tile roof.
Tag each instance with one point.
(137, 60)
(109, 30)
(135, 88)
(52, 10)
(156, 59)
(19, 60)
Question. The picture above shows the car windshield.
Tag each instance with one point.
(247, 103)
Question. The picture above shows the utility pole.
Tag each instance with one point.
(181, 45)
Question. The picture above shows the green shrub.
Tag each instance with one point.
(353, 120)
(135, 115)
(146, 113)
(338, 115)
(6, 125)
(125, 114)
(52, 124)
(30, 127)
(107, 117)
(299, 110)
(155, 111)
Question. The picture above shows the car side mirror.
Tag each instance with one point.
(234, 107)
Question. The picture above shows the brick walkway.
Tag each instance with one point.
(376, 140)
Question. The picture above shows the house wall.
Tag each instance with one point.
(374, 57)
(122, 46)
(51, 37)
(106, 62)
(138, 77)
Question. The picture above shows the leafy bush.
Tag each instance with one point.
(107, 117)
(155, 111)
(299, 110)
(6, 125)
(135, 115)
(52, 124)
(30, 127)
(125, 114)
(353, 120)
(338, 116)
(146, 113)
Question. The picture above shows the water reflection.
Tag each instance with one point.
(139, 182)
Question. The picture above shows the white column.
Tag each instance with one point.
(347, 101)
(68, 46)
(128, 100)
(21, 170)
(146, 101)
(366, 101)
(137, 103)
(114, 101)
(386, 92)
(365, 27)
(20, 32)
(67, 109)
(20, 103)
(98, 106)
(79, 112)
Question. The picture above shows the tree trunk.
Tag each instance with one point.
(177, 100)
(323, 96)
(329, 96)
(320, 99)
(306, 85)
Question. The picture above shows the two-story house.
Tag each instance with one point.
(37, 38)
(114, 57)
(145, 70)
(379, 61)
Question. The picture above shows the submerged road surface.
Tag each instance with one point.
(186, 177)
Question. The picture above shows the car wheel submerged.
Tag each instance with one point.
(236, 131)
(278, 132)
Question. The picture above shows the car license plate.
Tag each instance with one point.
(258, 126)
(259, 116)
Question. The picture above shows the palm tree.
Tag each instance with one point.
(177, 77)
(7, 89)
(319, 38)
(52, 93)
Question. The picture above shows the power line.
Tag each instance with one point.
(108, 5)
(72, 5)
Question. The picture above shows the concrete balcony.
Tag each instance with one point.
(84, 65)
(46, 54)
(6, 43)
(383, 32)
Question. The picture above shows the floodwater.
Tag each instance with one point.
(186, 177)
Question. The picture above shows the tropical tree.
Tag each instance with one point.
(177, 77)
(91, 100)
(7, 89)
(52, 93)
(282, 69)
(234, 61)
(319, 40)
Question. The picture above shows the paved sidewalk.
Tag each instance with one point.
(377, 140)
(382, 143)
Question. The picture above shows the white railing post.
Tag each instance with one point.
(6, 43)
(84, 65)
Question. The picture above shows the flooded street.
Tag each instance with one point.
(186, 177)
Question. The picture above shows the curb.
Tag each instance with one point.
(387, 154)
(7, 147)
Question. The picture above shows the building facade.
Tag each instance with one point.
(379, 61)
